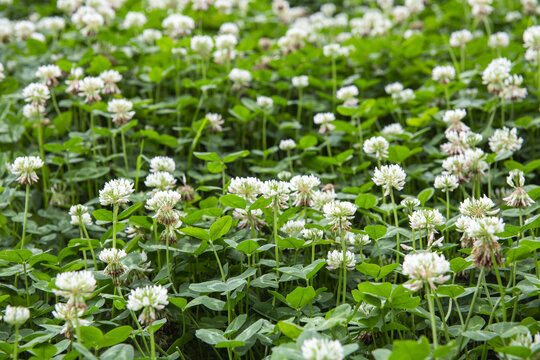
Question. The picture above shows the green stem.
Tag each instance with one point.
(275, 230)
(344, 265)
(396, 222)
(224, 280)
(115, 217)
(125, 152)
(432, 317)
(16, 343)
(26, 285)
(45, 170)
(152, 343)
(264, 132)
(169, 265)
(89, 243)
(334, 83)
(26, 201)
(92, 135)
(499, 282)
(195, 141)
(469, 314)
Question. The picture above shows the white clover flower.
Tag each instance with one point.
(526, 341)
(116, 192)
(162, 163)
(499, 40)
(160, 180)
(443, 74)
(512, 89)
(36, 93)
(321, 198)
(248, 188)
(163, 204)
(247, 218)
(16, 315)
(519, 197)
(302, 187)
(378, 146)
(265, 102)
(226, 42)
(33, 110)
(426, 219)
(75, 286)
(484, 228)
(88, 20)
(324, 120)
(425, 267)
(229, 28)
(121, 109)
(90, 87)
(415, 6)
(531, 38)
(134, 19)
(356, 239)
(332, 50)
(176, 25)
(348, 95)
(334, 260)
(389, 176)
(110, 78)
(393, 88)
(460, 38)
(400, 14)
(71, 315)
(292, 227)
(300, 82)
(73, 83)
(223, 56)
(287, 144)
(25, 168)
(322, 349)
(404, 96)
(49, 74)
(339, 214)
(453, 119)
(276, 190)
(215, 121)
(202, 44)
(24, 29)
(481, 8)
(240, 77)
(409, 203)
(112, 257)
(505, 140)
(477, 208)
(79, 215)
(149, 299)
(446, 183)
(470, 164)
(313, 234)
(495, 73)
(392, 129)
(150, 36)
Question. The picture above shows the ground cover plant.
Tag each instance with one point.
(235, 179)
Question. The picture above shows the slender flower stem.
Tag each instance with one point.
(343, 265)
(395, 220)
(264, 132)
(229, 314)
(55, 104)
(334, 83)
(124, 151)
(169, 265)
(329, 150)
(115, 217)
(432, 317)
(195, 141)
(480, 279)
(92, 135)
(152, 343)
(447, 213)
(299, 109)
(89, 243)
(275, 230)
(16, 343)
(26, 201)
(45, 169)
(26, 285)
(499, 282)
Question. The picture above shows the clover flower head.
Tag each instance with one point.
(324, 120)
(162, 163)
(248, 188)
(339, 214)
(25, 168)
(300, 82)
(389, 176)
(90, 88)
(378, 146)
(292, 227)
(322, 349)
(79, 215)
(16, 315)
(443, 74)
(36, 93)
(446, 183)
(287, 144)
(160, 180)
(75, 286)
(302, 187)
(276, 190)
(49, 74)
(116, 192)
(71, 315)
(505, 140)
(121, 109)
(149, 299)
(478, 208)
(334, 260)
(425, 267)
